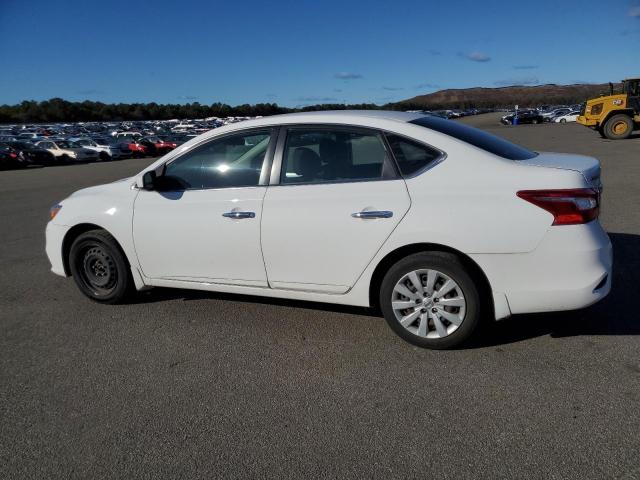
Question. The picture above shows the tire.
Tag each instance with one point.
(534, 121)
(65, 158)
(100, 268)
(104, 157)
(563, 120)
(618, 127)
(423, 330)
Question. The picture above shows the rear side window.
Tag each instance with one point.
(411, 156)
(478, 138)
(314, 155)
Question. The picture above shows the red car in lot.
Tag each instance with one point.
(130, 147)
(157, 146)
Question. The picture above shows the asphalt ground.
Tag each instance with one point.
(183, 384)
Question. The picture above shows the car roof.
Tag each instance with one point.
(335, 116)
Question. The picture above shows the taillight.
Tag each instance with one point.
(13, 155)
(568, 206)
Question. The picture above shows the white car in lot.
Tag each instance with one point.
(68, 151)
(568, 117)
(437, 223)
(105, 152)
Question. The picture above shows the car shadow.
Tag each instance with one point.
(614, 315)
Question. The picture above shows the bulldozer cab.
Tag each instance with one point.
(632, 88)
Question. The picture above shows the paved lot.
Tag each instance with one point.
(197, 385)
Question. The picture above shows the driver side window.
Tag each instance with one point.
(232, 161)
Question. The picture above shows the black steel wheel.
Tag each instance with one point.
(99, 267)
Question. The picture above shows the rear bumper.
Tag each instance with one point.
(53, 246)
(570, 269)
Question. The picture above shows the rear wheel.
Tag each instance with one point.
(563, 120)
(99, 267)
(430, 300)
(104, 156)
(618, 127)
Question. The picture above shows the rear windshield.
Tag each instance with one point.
(476, 137)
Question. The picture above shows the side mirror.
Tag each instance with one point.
(149, 180)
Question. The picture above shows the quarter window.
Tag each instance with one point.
(232, 161)
(314, 155)
(411, 156)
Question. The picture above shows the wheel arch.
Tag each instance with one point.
(399, 253)
(77, 230)
(623, 111)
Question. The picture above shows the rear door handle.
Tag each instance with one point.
(373, 214)
(239, 215)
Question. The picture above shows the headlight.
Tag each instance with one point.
(73, 154)
(53, 211)
(596, 109)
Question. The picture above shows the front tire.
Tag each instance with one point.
(430, 300)
(618, 127)
(99, 267)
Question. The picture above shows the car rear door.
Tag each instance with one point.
(334, 198)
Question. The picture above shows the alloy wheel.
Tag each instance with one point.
(428, 303)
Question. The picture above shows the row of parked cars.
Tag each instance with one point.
(553, 114)
(45, 145)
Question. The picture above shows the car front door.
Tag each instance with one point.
(201, 222)
(334, 198)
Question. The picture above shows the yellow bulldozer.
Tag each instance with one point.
(616, 115)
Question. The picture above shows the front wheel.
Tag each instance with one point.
(430, 300)
(563, 120)
(618, 127)
(99, 267)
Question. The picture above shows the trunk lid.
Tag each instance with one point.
(589, 167)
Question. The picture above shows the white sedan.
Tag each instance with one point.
(435, 222)
(568, 117)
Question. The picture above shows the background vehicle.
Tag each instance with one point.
(567, 117)
(68, 151)
(551, 114)
(358, 208)
(524, 116)
(33, 153)
(104, 151)
(617, 115)
(9, 158)
(157, 146)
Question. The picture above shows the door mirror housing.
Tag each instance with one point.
(149, 180)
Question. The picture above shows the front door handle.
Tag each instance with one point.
(373, 214)
(239, 215)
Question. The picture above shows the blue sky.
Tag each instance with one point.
(304, 52)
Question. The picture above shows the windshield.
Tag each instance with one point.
(67, 144)
(478, 138)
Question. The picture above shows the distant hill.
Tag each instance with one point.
(525, 96)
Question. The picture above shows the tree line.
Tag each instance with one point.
(59, 110)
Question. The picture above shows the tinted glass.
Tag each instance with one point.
(233, 161)
(411, 156)
(323, 155)
(477, 138)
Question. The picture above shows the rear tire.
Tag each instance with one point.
(104, 157)
(563, 120)
(618, 127)
(429, 316)
(100, 268)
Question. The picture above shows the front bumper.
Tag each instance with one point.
(53, 246)
(587, 122)
(569, 270)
